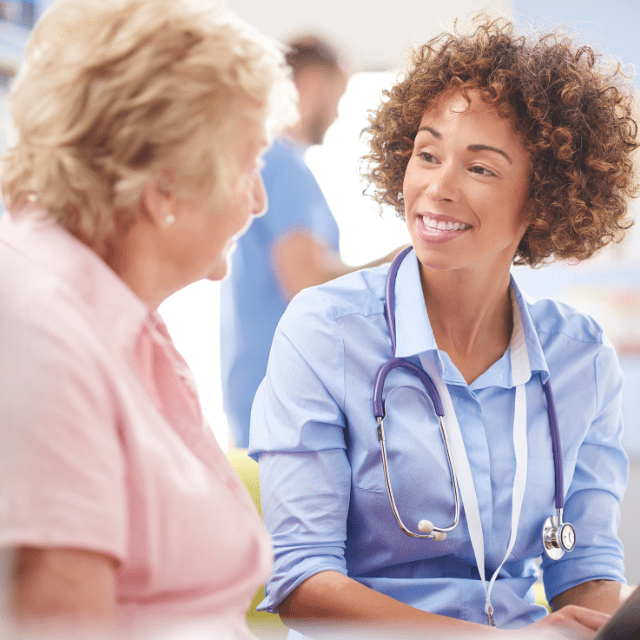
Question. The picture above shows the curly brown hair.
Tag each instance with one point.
(572, 110)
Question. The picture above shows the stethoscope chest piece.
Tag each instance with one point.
(557, 537)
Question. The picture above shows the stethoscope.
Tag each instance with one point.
(558, 537)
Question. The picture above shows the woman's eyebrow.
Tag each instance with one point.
(433, 132)
(486, 147)
(472, 147)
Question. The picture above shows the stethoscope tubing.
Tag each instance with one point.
(395, 362)
(392, 502)
(555, 444)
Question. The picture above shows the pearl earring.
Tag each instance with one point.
(170, 219)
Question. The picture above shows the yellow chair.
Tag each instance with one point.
(262, 624)
(541, 597)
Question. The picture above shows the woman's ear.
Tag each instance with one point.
(529, 212)
(159, 200)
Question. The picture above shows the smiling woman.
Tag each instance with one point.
(461, 184)
(464, 193)
(495, 148)
(571, 108)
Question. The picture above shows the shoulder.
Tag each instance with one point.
(359, 294)
(576, 347)
(46, 325)
(30, 295)
(554, 317)
(55, 366)
(317, 337)
(281, 158)
(294, 195)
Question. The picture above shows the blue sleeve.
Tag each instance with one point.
(297, 436)
(592, 502)
(295, 200)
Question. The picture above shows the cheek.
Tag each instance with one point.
(244, 206)
(408, 183)
(231, 206)
(522, 217)
(513, 203)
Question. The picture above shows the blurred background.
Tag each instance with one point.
(375, 35)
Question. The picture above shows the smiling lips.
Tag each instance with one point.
(441, 227)
(436, 229)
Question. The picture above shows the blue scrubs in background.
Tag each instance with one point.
(252, 302)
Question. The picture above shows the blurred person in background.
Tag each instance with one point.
(140, 126)
(296, 246)
(495, 148)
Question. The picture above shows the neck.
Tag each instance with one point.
(471, 316)
(136, 260)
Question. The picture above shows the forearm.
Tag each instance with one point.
(331, 600)
(599, 595)
(71, 587)
(300, 260)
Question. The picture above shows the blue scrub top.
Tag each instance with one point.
(251, 300)
(324, 497)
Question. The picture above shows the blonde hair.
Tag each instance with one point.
(113, 90)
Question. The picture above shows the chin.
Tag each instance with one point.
(437, 263)
(220, 270)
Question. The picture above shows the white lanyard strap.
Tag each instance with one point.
(521, 372)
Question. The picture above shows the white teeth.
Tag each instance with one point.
(441, 225)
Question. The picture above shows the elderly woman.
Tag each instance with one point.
(140, 125)
(496, 149)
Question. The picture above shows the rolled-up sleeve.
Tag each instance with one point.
(593, 498)
(297, 436)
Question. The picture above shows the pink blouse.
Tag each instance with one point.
(103, 445)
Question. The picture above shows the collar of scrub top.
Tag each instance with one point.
(521, 373)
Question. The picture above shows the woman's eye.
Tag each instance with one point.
(482, 171)
(426, 156)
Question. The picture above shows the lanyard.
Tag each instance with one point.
(521, 372)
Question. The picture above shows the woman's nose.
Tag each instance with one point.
(443, 184)
(260, 199)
